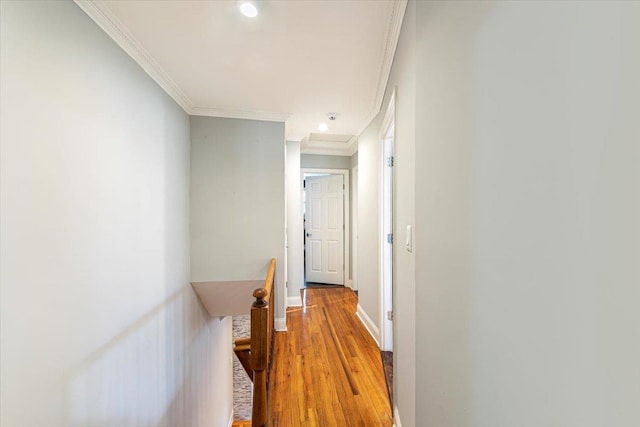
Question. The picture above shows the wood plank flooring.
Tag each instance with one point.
(328, 370)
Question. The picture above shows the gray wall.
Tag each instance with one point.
(353, 162)
(318, 161)
(99, 323)
(368, 251)
(295, 229)
(520, 308)
(237, 200)
(528, 214)
(402, 79)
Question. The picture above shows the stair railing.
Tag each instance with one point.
(255, 353)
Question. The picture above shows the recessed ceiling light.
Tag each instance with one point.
(248, 8)
(323, 127)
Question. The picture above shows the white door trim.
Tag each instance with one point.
(386, 282)
(354, 230)
(347, 214)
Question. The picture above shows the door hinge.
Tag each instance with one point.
(390, 161)
(390, 315)
(390, 238)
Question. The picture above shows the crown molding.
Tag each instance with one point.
(102, 15)
(323, 143)
(393, 35)
(238, 114)
(389, 115)
(353, 145)
(329, 148)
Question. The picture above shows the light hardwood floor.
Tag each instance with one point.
(328, 370)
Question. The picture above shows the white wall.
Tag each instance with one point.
(295, 244)
(528, 214)
(237, 200)
(368, 251)
(99, 324)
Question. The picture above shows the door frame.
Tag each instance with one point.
(346, 219)
(354, 229)
(386, 281)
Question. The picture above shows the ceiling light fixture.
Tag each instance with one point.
(248, 8)
(322, 127)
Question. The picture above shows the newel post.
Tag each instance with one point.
(259, 356)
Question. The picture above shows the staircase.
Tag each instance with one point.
(254, 352)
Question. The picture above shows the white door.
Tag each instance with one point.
(386, 343)
(324, 229)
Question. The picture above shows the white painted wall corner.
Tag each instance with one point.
(295, 301)
(396, 417)
(281, 324)
(368, 324)
(231, 417)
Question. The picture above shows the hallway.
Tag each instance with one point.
(328, 369)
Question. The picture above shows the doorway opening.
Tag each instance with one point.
(387, 138)
(325, 216)
(387, 242)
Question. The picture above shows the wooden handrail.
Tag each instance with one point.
(268, 283)
(241, 341)
(255, 352)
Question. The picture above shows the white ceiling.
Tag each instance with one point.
(297, 61)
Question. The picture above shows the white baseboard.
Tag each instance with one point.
(396, 417)
(281, 324)
(231, 417)
(295, 301)
(368, 324)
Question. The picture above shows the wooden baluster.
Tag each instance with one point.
(272, 309)
(259, 356)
